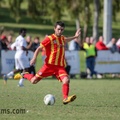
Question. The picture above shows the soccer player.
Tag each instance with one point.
(21, 60)
(55, 60)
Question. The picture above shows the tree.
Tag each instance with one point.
(96, 19)
(15, 9)
(87, 17)
(116, 8)
(73, 7)
(55, 9)
(37, 8)
(80, 12)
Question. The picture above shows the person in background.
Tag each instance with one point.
(118, 45)
(55, 60)
(3, 43)
(36, 43)
(29, 43)
(90, 54)
(74, 45)
(100, 44)
(9, 41)
(21, 60)
(112, 46)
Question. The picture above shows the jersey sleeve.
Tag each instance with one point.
(45, 42)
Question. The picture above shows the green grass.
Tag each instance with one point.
(96, 100)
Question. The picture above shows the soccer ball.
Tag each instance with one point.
(49, 99)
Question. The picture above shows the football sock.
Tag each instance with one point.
(10, 74)
(28, 76)
(21, 81)
(65, 90)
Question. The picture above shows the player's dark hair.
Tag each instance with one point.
(62, 24)
(22, 30)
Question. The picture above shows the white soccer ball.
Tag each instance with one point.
(49, 99)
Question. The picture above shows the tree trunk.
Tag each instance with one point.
(77, 23)
(96, 18)
(85, 31)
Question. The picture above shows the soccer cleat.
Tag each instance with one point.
(5, 79)
(69, 99)
(17, 76)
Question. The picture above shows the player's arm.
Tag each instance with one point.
(24, 48)
(79, 41)
(33, 60)
(77, 34)
(29, 46)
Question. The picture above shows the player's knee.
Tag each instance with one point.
(65, 80)
(34, 80)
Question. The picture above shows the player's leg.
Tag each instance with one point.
(88, 64)
(63, 77)
(45, 71)
(65, 89)
(21, 79)
(65, 86)
(24, 64)
(11, 74)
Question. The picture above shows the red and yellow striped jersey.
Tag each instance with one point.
(55, 50)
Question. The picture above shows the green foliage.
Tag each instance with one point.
(116, 8)
(36, 8)
(15, 9)
(55, 11)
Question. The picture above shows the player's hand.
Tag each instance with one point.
(32, 62)
(78, 32)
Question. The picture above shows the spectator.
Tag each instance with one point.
(90, 53)
(36, 43)
(100, 44)
(3, 42)
(112, 45)
(9, 42)
(74, 45)
(29, 43)
(118, 44)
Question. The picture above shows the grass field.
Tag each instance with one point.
(96, 100)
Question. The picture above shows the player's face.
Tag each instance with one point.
(24, 33)
(58, 30)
